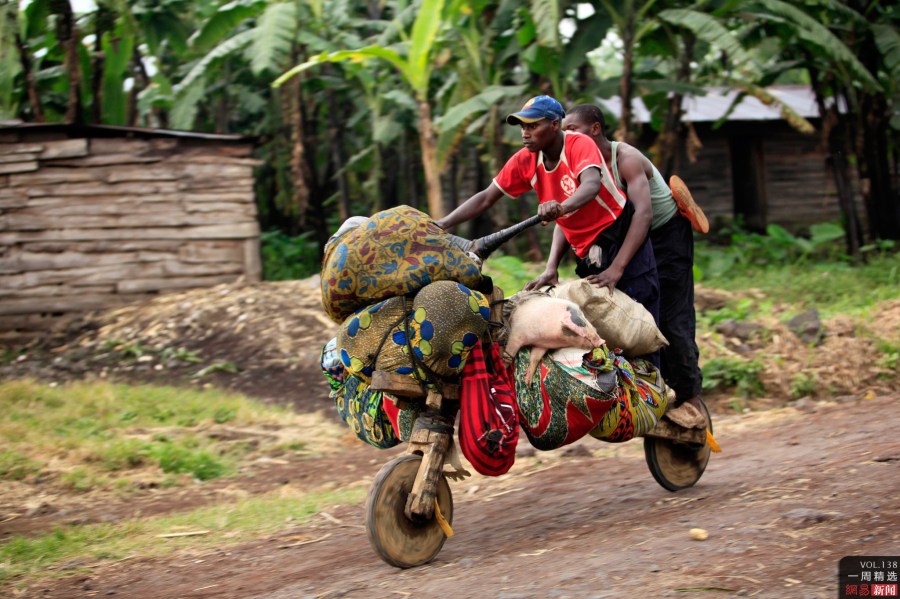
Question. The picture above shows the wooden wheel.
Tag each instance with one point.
(395, 538)
(676, 465)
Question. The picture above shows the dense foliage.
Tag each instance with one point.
(380, 103)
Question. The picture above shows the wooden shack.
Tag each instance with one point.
(751, 164)
(96, 216)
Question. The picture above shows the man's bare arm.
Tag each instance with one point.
(632, 171)
(472, 207)
(558, 248)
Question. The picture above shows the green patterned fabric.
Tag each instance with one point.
(598, 394)
(395, 252)
(361, 408)
(441, 326)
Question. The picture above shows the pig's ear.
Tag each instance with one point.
(577, 315)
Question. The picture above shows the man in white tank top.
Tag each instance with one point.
(656, 214)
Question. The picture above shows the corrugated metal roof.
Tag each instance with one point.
(114, 130)
(717, 100)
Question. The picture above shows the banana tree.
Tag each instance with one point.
(631, 21)
(415, 58)
(838, 47)
(16, 61)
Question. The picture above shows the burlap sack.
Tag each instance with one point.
(622, 322)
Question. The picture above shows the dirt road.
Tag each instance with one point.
(793, 491)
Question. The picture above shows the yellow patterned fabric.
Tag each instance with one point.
(439, 326)
(365, 333)
(395, 252)
(641, 402)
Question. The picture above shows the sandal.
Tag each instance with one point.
(687, 206)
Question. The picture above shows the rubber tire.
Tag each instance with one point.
(398, 540)
(677, 466)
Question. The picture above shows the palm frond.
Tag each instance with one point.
(424, 33)
(184, 107)
(198, 71)
(888, 41)
(818, 35)
(546, 15)
(118, 50)
(710, 30)
(387, 54)
(223, 21)
(476, 105)
(787, 113)
(273, 36)
(587, 37)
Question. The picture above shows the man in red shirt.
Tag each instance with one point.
(576, 189)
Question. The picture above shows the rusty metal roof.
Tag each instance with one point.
(119, 131)
(715, 104)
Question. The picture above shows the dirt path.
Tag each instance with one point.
(793, 491)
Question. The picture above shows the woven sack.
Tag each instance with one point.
(621, 321)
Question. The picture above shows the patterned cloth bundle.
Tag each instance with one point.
(575, 393)
(393, 253)
(427, 338)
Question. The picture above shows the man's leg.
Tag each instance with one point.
(673, 244)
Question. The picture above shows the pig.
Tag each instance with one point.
(535, 319)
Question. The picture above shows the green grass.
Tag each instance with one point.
(830, 285)
(739, 373)
(15, 466)
(100, 430)
(511, 274)
(227, 524)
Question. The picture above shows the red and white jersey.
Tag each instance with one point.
(525, 171)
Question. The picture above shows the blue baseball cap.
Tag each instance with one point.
(537, 108)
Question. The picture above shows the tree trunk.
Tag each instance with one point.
(671, 139)
(835, 141)
(335, 134)
(429, 161)
(882, 203)
(34, 99)
(97, 60)
(874, 148)
(67, 35)
(624, 132)
(300, 173)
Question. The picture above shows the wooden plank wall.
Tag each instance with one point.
(709, 178)
(93, 223)
(799, 186)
